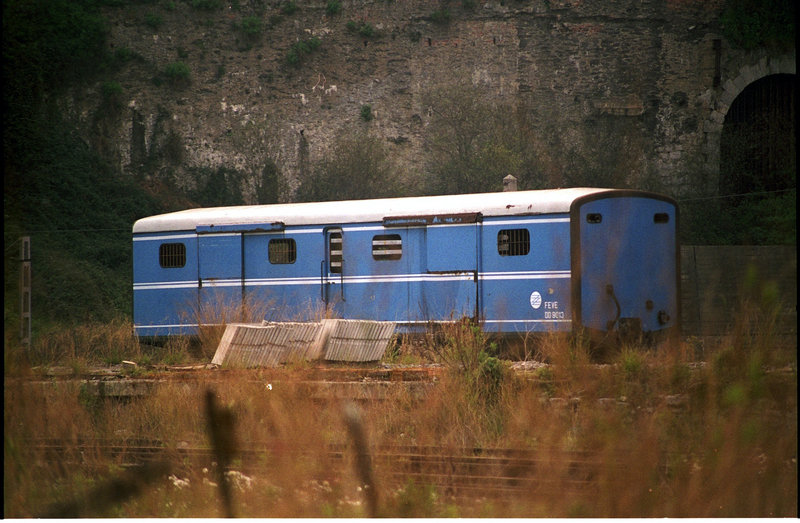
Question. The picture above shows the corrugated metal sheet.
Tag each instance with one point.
(358, 340)
(271, 344)
(247, 345)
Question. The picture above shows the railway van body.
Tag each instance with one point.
(598, 260)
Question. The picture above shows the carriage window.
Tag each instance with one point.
(172, 255)
(387, 247)
(594, 217)
(661, 217)
(335, 250)
(513, 242)
(282, 250)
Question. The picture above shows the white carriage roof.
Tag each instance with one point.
(358, 211)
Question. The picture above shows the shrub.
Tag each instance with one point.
(207, 5)
(302, 48)
(364, 29)
(177, 74)
(441, 16)
(366, 113)
(475, 141)
(251, 26)
(111, 93)
(358, 166)
(334, 7)
(153, 20)
(750, 24)
(289, 8)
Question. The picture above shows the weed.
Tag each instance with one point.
(153, 21)
(177, 74)
(334, 7)
(366, 113)
(289, 8)
(441, 17)
(726, 449)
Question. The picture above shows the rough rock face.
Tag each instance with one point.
(617, 92)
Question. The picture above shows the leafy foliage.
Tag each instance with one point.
(366, 113)
(359, 166)
(47, 44)
(334, 7)
(78, 214)
(750, 24)
(218, 187)
(302, 48)
(473, 143)
(177, 74)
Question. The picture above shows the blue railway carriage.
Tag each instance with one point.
(566, 260)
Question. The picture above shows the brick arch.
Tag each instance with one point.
(729, 90)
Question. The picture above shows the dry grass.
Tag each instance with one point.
(677, 437)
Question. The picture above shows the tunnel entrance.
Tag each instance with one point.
(758, 138)
(757, 160)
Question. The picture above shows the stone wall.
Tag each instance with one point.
(618, 93)
(716, 280)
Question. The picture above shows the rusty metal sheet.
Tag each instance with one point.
(274, 343)
(358, 340)
(253, 345)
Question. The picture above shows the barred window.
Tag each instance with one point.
(387, 247)
(172, 255)
(513, 242)
(335, 251)
(282, 250)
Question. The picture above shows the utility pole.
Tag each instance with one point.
(25, 292)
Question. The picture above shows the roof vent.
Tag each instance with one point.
(509, 183)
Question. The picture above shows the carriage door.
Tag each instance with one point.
(219, 278)
(451, 285)
(625, 255)
(333, 271)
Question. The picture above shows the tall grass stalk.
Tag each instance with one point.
(668, 436)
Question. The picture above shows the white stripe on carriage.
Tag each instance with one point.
(190, 284)
(387, 278)
(163, 237)
(399, 322)
(167, 326)
(428, 322)
(285, 231)
(531, 220)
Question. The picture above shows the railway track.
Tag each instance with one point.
(456, 472)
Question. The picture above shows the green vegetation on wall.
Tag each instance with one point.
(750, 24)
(77, 210)
(358, 166)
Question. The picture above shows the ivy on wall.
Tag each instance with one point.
(750, 24)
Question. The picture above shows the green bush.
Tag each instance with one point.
(364, 29)
(334, 7)
(302, 48)
(440, 16)
(474, 142)
(177, 74)
(289, 8)
(251, 26)
(750, 24)
(207, 5)
(358, 166)
(112, 100)
(46, 46)
(153, 20)
(366, 113)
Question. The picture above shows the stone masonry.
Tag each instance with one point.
(637, 89)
